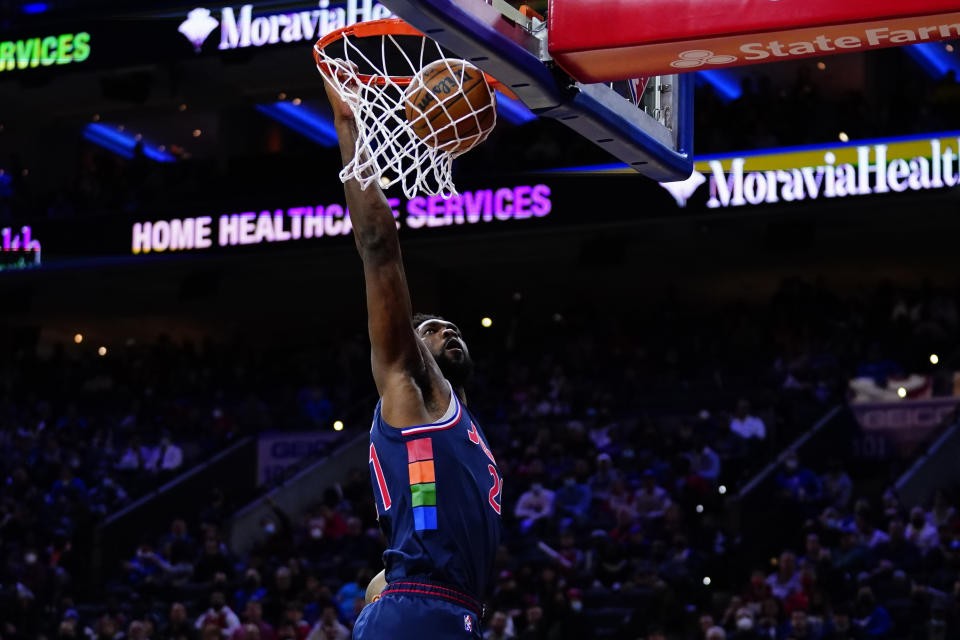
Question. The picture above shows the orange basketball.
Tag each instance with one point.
(450, 105)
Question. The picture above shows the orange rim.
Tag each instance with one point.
(384, 27)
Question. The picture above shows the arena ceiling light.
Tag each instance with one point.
(304, 120)
(33, 8)
(122, 144)
(723, 82)
(935, 59)
(514, 111)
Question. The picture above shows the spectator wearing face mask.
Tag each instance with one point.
(219, 615)
(745, 625)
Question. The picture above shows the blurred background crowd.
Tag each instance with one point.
(622, 458)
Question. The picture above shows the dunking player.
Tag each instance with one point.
(435, 481)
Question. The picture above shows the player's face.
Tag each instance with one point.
(444, 341)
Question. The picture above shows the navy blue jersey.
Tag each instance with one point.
(437, 489)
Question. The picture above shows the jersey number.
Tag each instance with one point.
(381, 481)
(495, 489)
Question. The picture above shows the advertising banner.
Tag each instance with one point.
(101, 42)
(276, 451)
(821, 172)
(900, 428)
(605, 41)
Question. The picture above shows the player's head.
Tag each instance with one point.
(444, 341)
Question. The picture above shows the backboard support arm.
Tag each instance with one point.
(658, 147)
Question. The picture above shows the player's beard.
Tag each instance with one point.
(458, 372)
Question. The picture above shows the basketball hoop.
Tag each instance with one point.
(372, 65)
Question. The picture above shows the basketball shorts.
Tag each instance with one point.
(420, 610)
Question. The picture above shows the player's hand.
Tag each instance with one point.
(341, 110)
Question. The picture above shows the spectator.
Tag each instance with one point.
(294, 618)
(212, 563)
(942, 512)
(786, 580)
(706, 623)
(798, 483)
(837, 486)
(573, 501)
(715, 633)
(535, 627)
(497, 629)
(799, 628)
(841, 626)
(282, 592)
(219, 615)
(178, 625)
(604, 477)
(745, 625)
(171, 455)
(253, 616)
(705, 462)
(652, 500)
(921, 531)
(898, 552)
(248, 632)
(536, 504)
(136, 631)
(869, 534)
(251, 589)
(745, 425)
(814, 551)
(872, 619)
(350, 591)
(329, 628)
(286, 631)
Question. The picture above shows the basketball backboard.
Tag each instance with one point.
(645, 122)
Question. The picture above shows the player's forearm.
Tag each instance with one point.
(374, 228)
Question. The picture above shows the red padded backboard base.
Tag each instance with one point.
(606, 40)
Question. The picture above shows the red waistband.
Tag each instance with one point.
(434, 590)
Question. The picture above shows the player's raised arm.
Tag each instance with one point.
(402, 368)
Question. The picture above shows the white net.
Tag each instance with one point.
(408, 132)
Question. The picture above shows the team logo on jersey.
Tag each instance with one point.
(467, 623)
(699, 57)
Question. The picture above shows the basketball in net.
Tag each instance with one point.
(450, 106)
(416, 108)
